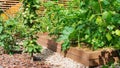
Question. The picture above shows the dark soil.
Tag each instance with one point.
(21, 61)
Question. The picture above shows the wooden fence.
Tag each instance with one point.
(11, 7)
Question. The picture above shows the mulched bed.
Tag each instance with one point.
(21, 61)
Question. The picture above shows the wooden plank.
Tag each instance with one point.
(6, 4)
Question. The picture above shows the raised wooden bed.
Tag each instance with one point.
(49, 42)
(88, 58)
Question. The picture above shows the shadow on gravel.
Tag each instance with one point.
(45, 54)
(52, 47)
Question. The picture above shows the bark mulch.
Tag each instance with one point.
(21, 61)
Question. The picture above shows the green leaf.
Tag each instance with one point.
(118, 22)
(3, 37)
(49, 4)
(118, 1)
(66, 33)
(110, 27)
(99, 21)
(1, 43)
(91, 17)
(67, 30)
(30, 49)
(108, 36)
(117, 32)
(107, 15)
(1, 29)
(36, 1)
(65, 45)
(37, 6)
(63, 37)
(106, 2)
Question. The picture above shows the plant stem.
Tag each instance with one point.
(92, 47)
(79, 40)
(100, 6)
(31, 55)
(101, 9)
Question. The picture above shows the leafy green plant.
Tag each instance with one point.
(66, 37)
(95, 22)
(31, 47)
(21, 28)
(30, 19)
(10, 32)
(111, 65)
